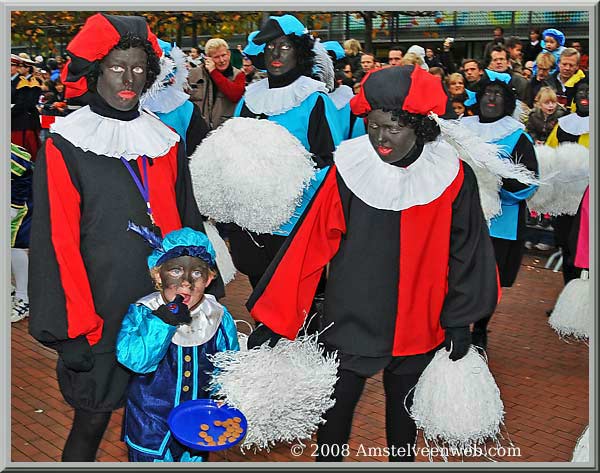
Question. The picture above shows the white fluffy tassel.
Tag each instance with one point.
(323, 67)
(564, 175)
(251, 172)
(572, 315)
(283, 391)
(582, 449)
(457, 403)
(224, 262)
(486, 161)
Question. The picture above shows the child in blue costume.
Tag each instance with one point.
(553, 42)
(494, 123)
(165, 339)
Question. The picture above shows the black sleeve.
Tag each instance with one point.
(189, 213)
(320, 140)
(523, 153)
(472, 278)
(196, 132)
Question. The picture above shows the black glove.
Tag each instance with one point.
(460, 339)
(260, 335)
(174, 313)
(76, 353)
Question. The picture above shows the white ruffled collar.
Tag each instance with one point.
(341, 96)
(144, 135)
(165, 100)
(387, 187)
(206, 319)
(260, 98)
(574, 124)
(492, 131)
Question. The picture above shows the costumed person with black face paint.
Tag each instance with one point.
(101, 166)
(290, 97)
(170, 103)
(398, 220)
(496, 102)
(165, 339)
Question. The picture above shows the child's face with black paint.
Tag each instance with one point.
(186, 275)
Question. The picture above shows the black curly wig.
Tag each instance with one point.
(305, 56)
(425, 128)
(508, 93)
(131, 41)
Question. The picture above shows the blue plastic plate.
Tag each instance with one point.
(189, 418)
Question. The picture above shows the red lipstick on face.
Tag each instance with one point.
(127, 94)
(186, 298)
(276, 64)
(384, 151)
(585, 102)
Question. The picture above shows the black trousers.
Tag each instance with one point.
(401, 431)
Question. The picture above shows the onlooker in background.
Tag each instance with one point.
(515, 51)
(216, 86)
(419, 51)
(431, 59)
(533, 47)
(544, 115)
(54, 105)
(499, 63)
(337, 54)
(437, 71)
(458, 105)
(367, 62)
(498, 39)
(528, 70)
(584, 59)
(413, 58)
(395, 55)
(353, 52)
(473, 71)
(446, 56)
(553, 43)
(543, 65)
(54, 70)
(566, 78)
(456, 84)
(348, 77)
(252, 74)
(195, 56)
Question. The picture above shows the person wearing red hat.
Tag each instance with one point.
(101, 166)
(398, 220)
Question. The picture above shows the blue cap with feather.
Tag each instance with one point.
(182, 242)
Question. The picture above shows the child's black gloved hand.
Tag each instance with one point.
(76, 354)
(459, 338)
(174, 313)
(260, 335)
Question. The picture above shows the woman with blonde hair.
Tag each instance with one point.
(456, 84)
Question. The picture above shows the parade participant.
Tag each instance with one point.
(25, 90)
(165, 337)
(170, 103)
(101, 166)
(572, 128)
(290, 97)
(21, 211)
(496, 102)
(411, 265)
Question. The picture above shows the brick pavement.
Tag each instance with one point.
(543, 382)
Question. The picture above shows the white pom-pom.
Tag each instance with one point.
(582, 449)
(564, 176)
(251, 172)
(224, 261)
(457, 403)
(572, 315)
(283, 391)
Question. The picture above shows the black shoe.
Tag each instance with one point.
(479, 338)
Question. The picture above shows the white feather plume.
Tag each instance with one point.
(564, 175)
(283, 391)
(224, 261)
(581, 453)
(251, 172)
(572, 314)
(488, 161)
(457, 403)
(323, 67)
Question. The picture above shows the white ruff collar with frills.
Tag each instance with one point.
(144, 135)
(387, 187)
(494, 131)
(260, 99)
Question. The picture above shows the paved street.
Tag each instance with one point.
(543, 382)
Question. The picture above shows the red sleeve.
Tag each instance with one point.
(64, 203)
(283, 297)
(232, 89)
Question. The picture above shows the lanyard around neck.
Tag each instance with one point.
(143, 186)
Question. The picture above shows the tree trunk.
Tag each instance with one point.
(368, 18)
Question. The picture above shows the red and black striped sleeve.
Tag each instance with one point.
(284, 295)
(61, 303)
